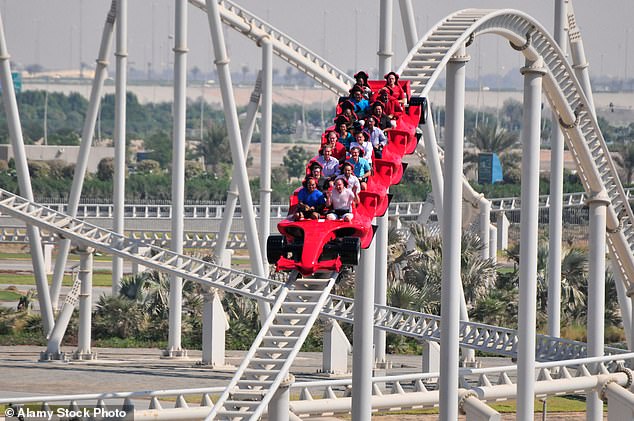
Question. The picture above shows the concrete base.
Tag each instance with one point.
(383, 365)
(181, 353)
(210, 366)
(328, 375)
(54, 356)
(83, 356)
(471, 364)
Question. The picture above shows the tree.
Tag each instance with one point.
(414, 275)
(215, 149)
(105, 169)
(160, 143)
(491, 138)
(148, 166)
(295, 161)
(625, 159)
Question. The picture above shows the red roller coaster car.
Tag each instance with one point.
(311, 246)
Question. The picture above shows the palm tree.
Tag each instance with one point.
(574, 274)
(494, 139)
(415, 275)
(118, 316)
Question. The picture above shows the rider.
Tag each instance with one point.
(311, 201)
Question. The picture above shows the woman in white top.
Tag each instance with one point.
(352, 182)
(340, 200)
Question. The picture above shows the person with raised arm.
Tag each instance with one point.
(340, 200)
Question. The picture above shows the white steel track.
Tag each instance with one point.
(491, 339)
(284, 46)
(405, 391)
(427, 60)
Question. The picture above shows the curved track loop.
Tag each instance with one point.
(428, 58)
(284, 46)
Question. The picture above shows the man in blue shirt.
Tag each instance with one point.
(311, 201)
(362, 168)
(361, 105)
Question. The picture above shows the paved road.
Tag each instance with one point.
(121, 370)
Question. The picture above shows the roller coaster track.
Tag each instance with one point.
(295, 309)
(284, 46)
(596, 170)
(390, 393)
(491, 339)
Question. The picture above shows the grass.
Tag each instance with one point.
(553, 404)
(99, 279)
(9, 296)
(71, 257)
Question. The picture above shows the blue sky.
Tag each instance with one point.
(60, 33)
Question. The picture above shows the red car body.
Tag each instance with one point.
(308, 240)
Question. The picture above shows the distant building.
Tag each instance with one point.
(64, 153)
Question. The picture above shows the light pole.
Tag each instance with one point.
(46, 113)
(203, 85)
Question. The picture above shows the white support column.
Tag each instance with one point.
(54, 340)
(265, 145)
(452, 235)
(24, 182)
(385, 52)
(84, 351)
(435, 168)
(235, 141)
(278, 407)
(409, 23)
(625, 303)
(433, 163)
(493, 245)
(533, 72)
(431, 357)
(215, 322)
(215, 325)
(175, 303)
(485, 223)
(84, 148)
(48, 262)
(118, 183)
(476, 410)
(555, 211)
(502, 223)
(620, 402)
(596, 292)
(336, 349)
(380, 287)
(362, 353)
(232, 193)
(380, 282)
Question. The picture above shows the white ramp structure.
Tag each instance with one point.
(552, 366)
